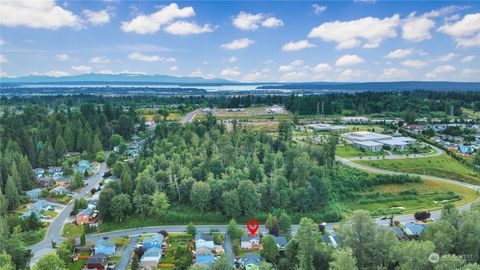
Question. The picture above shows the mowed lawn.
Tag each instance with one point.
(431, 195)
(441, 166)
(348, 151)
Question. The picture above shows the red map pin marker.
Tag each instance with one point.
(252, 226)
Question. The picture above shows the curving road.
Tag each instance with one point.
(54, 231)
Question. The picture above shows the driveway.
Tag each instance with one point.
(126, 254)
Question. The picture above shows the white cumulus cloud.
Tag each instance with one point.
(100, 17)
(470, 73)
(466, 31)
(295, 64)
(348, 60)
(251, 22)
(146, 24)
(238, 44)
(144, 57)
(417, 28)
(440, 70)
(399, 53)
(272, 22)
(322, 67)
(297, 45)
(368, 31)
(184, 28)
(37, 14)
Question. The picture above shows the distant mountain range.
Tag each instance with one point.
(310, 87)
(113, 78)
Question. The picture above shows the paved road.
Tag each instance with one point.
(375, 170)
(124, 261)
(438, 152)
(54, 231)
(189, 117)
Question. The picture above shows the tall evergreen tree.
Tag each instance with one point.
(11, 194)
(60, 148)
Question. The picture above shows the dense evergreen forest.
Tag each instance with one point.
(420, 102)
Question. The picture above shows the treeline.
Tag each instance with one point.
(237, 174)
(40, 137)
(420, 102)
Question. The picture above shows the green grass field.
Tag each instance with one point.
(431, 195)
(441, 166)
(348, 151)
(72, 230)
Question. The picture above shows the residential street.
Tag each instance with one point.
(54, 231)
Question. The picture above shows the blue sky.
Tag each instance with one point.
(244, 40)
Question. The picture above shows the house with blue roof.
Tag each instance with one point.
(104, 247)
(153, 242)
(413, 229)
(34, 194)
(204, 260)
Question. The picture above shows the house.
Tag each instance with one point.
(83, 165)
(84, 216)
(204, 260)
(33, 194)
(61, 181)
(41, 206)
(92, 204)
(204, 240)
(250, 242)
(203, 251)
(281, 242)
(151, 258)
(55, 171)
(60, 190)
(153, 242)
(39, 172)
(97, 261)
(413, 229)
(44, 181)
(104, 247)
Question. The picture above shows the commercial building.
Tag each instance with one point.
(375, 142)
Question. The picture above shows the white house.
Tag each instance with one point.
(249, 242)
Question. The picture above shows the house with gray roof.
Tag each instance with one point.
(34, 194)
